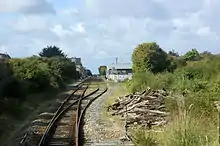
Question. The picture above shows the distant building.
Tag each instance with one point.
(119, 72)
(4, 57)
(76, 60)
(79, 67)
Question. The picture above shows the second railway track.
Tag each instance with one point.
(65, 127)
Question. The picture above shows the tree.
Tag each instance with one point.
(206, 54)
(36, 72)
(173, 53)
(149, 56)
(52, 51)
(88, 72)
(102, 70)
(176, 61)
(192, 55)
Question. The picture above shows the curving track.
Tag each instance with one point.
(64, 129)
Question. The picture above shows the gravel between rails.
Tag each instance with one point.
(98, 132)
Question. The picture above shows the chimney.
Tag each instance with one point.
(116, 61)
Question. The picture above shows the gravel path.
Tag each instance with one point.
(97, 131)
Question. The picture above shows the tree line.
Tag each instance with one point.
(21, 76)
(149, 56)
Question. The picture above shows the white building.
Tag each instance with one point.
(119, 72)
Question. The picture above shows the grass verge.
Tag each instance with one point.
(114, 91)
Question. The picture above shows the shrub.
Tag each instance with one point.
(149, 56)
(189, 131)
(141, 81)
(43, 73)
(141, 138)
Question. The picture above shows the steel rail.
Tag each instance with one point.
(57, 114)
(51, 125)
(78, 124)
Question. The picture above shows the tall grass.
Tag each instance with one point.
(189, 131)
(197, 86)
(142, 80)
(141, 138)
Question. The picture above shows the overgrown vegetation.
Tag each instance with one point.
(20, 78)
(102, 70)
(193, 81)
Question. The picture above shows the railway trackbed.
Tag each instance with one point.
(65, 126)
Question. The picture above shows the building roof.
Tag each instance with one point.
(2, 55)
(120, 66)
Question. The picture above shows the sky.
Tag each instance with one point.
(98, 31)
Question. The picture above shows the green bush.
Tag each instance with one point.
(141, 81)
(197, 82)
(32, 70)
(149, 56)
(141, 138)
(189, 131)
(43, 73)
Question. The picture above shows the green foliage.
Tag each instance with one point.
(12, 88)
(43, 73)
(173, 53)
(140, 138)
(142, 80)
(206, 54)
(175, 62)
(32, 70)
(88, 72)
(189, 131)
(52, 51)
(192, 55)
(21, 79)
(197, 82)
(34, 74)
(149, 56)
(102, 70)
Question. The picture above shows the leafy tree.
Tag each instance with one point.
(175, 62)
(173, 53)
(206, 54)
(43, 73)
(51, 51)
(192, 55)
(34, 71)
(102, 70)
(88, 72)
(62, 68)
(69, 69)
(149, 56)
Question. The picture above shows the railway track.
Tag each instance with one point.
(65, 127)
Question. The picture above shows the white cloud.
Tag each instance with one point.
(78, 28)
(3, 48)
(101, 55)
(69, 11)
(100, 30)
(26, 6)
(137, 8)
(12, 5)
(204, 31)
(29, 23)
(60, 31)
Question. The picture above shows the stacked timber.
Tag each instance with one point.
(146, 108)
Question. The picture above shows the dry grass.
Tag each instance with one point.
(115, 90)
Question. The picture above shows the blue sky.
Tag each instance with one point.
(100, 30)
